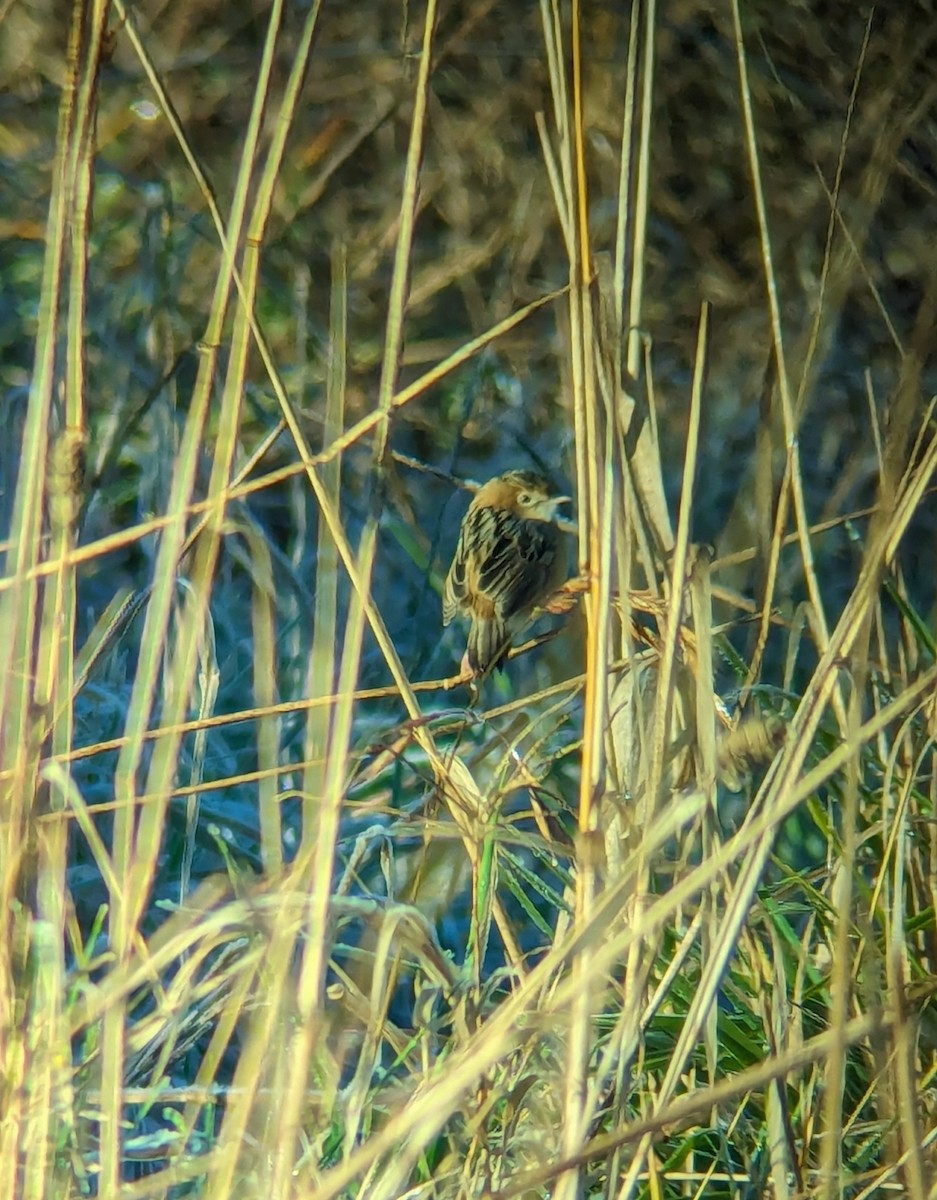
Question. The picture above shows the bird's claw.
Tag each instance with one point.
(567, 597)
(466, 674)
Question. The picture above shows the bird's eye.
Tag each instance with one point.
(524, 499)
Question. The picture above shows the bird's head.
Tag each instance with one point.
(526, 493)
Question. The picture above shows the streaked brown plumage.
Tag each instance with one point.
(510, 557)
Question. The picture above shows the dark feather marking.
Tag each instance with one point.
(517, 566)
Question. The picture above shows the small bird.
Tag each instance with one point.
(510, 558)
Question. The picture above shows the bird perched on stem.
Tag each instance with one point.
(510, 558)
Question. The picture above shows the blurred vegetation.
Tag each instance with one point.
(303, 929)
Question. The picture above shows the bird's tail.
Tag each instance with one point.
(488, 645)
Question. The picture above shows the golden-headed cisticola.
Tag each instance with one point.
(510, 558)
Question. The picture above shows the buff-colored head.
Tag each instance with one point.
(524, 493)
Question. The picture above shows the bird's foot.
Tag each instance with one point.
(567, 597)
(466, 674)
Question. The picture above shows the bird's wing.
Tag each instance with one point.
(455, 588)
(516, 564)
